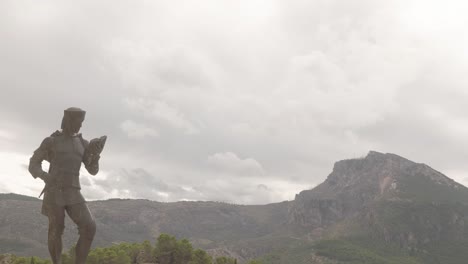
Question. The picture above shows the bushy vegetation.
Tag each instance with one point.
(297, 252)
(359, 252)
(22, 260)
(167, 250)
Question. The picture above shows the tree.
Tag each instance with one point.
(201, 257)
(168, 250)
(225, 260)
(183, 252)
(122, 258)
(70, 258)
(146, 252)
(93, 258)
(133, 252)
(20, 260)
(109, 256)
(165, 250)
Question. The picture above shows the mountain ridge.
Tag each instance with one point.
(379, 198)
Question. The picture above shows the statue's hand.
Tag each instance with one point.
(46, 177)
(97, 145)
(98, 148)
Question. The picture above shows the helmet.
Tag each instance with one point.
(72, 113)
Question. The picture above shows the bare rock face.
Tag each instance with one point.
(315, 213)
(354, 184)
(351, 185)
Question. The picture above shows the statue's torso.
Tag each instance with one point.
(66, 156)
(65, 165)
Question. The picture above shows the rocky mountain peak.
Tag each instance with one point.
(381, 173)
(377, 171)
(356, 183)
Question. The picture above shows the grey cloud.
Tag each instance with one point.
(161, 111)
(95, 193)
(181, 68)
(137, 130)
(85, 181)
(428, 128)
(230, 162)
(129, 179)
(139, 183)
(286, 88)
(244, 193)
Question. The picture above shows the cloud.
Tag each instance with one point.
(161, 111)
(234, 94)
(5, 135)
(231, 163)
(136, 183)
(136, 130)
(136, 177)
(15, 176)
(85, 181)
(139, 183)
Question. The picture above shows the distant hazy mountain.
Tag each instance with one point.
(378, 209)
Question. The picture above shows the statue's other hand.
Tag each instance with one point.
(46, 177)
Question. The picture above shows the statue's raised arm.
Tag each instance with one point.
(93, 154)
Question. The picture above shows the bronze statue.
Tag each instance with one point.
(65, 151)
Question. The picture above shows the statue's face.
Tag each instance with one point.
(75, 125)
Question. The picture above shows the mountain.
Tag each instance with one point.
(381, 208)
(385, 201)
(356, 184)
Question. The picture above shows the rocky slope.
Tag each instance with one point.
(384, 197)
(209, 225)
(355, 184)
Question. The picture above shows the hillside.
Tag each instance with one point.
(385, 207)
(381, 208)
(209, 225)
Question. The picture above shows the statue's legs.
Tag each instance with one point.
(82, 217)
(56, 217)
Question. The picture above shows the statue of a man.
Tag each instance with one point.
(65, 150)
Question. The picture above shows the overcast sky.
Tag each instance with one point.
(247, 102)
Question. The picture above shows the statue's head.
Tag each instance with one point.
(73, 117)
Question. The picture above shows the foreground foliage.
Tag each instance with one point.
(167, 250)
